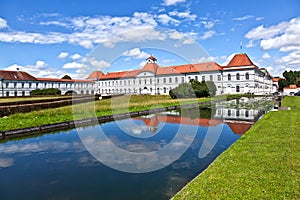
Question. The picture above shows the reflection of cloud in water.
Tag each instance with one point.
(53, 146)
(6, 162)
(111, 153)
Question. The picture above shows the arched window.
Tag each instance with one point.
(229, 77)
(247, 76)
(238, 76)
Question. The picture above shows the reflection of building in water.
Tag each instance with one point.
(228, 112)
(238, 125)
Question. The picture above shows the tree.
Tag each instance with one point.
(183, 90)
(66, 77)
(212, 89)
(290, 78)
(193, 89)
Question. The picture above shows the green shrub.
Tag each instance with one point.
(48, 91)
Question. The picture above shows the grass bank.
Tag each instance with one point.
(92, 109)
(263, 164)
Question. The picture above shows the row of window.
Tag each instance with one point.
(44, 85)
(234, 113)
(144, 90)
(27, 93)
(169, 80)
(238, 77)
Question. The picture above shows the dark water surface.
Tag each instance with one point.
(58, 165)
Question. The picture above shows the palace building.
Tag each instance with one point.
(239, 76)
(19, 83)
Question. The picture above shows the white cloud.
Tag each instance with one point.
(207, 34)
(261, 32)
(243, 18)
(285, 37)
(208, 24)
(266, 56)
(136, 53)
(291, 59)
(165, 19)
(250, 44)
(172, 2)
(75, 56)
(99, 64)
(184, 15)
(259, 18)
(40, 69)
(74, 65)
(56, 23)
(63, 55)
(88, 32)
(3, 23)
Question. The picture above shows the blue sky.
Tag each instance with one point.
(53, 38)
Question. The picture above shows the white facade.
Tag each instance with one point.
(19, 87)
(234, 79)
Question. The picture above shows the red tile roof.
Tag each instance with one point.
(276, 79)
(240, 60)
(16, 75)
(64, 80)
(150, 67)
(292, 87)
(95, 75)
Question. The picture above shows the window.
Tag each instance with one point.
(219, 77)
(229, 77)
(189, 78)
(140, 81)
(237, 88)
(164, 80)
(196, 78)
(170, 80)
(247, 113)
(247, 76)
(145, 81)
(158, 81)
(211, 77)
(229, 112)
(150, 81)
(182, 79)
(165, 90)
(238, 113)
(176, 80)
(238, 76)
(203, 78)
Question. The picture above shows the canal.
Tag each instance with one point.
(147, 157)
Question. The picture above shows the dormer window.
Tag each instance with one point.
(151, 59)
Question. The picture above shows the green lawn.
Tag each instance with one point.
(263, 164)
(92, 109)
(29, 98)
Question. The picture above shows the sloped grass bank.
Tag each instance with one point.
(263, 164)
(89, 110)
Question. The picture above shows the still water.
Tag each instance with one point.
(60, 166)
